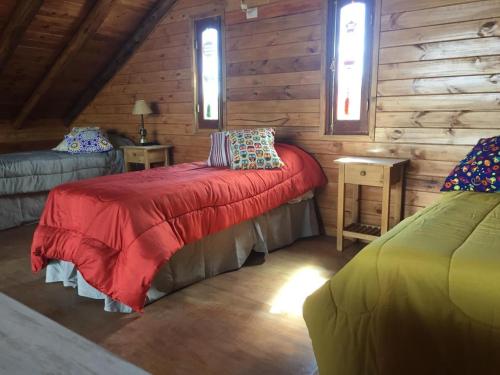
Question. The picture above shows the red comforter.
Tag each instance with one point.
(119, 230)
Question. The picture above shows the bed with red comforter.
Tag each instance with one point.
(119, 230)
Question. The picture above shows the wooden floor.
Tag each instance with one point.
(243, 322)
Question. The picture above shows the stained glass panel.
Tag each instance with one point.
(350, 64)
(210, 74)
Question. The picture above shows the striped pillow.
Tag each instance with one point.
(220, 151)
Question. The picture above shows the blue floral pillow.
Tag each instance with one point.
(64, 147)
(87, 142)
(479, 171)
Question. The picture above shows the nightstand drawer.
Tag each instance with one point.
(364, 174)
(146, 155)
(156, 156)
(135, 156)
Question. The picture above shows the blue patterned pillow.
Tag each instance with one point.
(87, 142)
(479, 171)
(64, 147)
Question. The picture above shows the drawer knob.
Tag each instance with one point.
(362, 173)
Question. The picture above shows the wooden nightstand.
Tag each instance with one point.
(382, 172)
(146, 155)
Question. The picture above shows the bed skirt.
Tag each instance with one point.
(218, 253)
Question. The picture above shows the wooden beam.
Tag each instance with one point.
(89, 26)
(19, 21)
(127, 50)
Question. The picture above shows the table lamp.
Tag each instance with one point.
(142, 108)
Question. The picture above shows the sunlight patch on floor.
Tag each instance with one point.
(291, 296)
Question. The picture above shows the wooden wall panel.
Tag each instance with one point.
(438, 87)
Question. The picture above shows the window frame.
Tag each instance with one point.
(199, 25)
(345, 128)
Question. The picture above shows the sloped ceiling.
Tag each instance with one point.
(43, 39)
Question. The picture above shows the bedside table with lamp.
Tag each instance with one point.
(145, 153)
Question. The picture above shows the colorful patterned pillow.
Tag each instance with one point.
(479, 171)
(253, 149)
(220, 150)
(87, 142)
(64, 146)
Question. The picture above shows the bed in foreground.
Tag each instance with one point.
(422, 299)
(120, 230)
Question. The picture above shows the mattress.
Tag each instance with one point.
(422, 299)
(220, 252)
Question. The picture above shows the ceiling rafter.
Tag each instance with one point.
(147, 25)
(88, 27)
(21, 18)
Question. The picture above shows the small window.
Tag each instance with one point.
(208, 45)
(349, 47)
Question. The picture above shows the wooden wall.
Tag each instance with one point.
(47, 33)
(438, 86)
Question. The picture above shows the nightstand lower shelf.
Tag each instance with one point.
(362, 232)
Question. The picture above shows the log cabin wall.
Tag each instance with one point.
(438, 86)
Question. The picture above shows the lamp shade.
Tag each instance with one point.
(141, 108)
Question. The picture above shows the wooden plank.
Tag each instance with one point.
(434, 136)
(452, 102)
(126, 51)
(302, 34)
(173, 108)
(441, 50)
(153, 77)
(87, 29)
(166, 41)
(180, 62)
(277, 52)
(160, 97)
(473, 10)
(327, 151)
(441, 85)
(270, 25)
(391, 6)
(274, 119)
(361, 236)
(274, 93)
(340, 208)
(207, 9)
(277, 9)
(441, 68)
(455, 31)
(429, 119)
(294, 78)
(13, 31)
(273, 106)
(161, 54)
(284, 65)
(232, 5)
(139, 88)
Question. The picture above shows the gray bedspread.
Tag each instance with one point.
(40, 171)
(27, 177)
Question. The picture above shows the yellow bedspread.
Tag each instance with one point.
(422, 299)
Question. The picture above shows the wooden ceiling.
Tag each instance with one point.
(51, 51)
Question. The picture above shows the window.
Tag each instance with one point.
(349, 54)
(208, 45)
